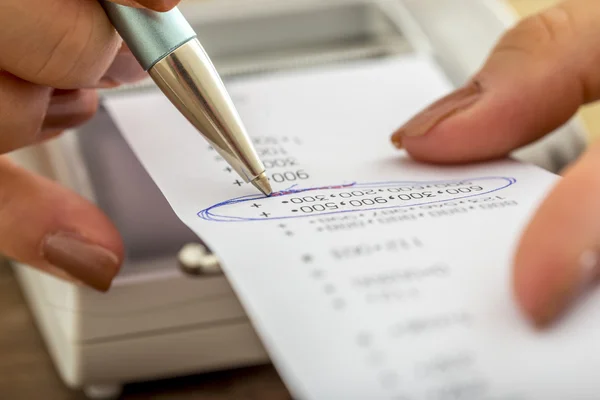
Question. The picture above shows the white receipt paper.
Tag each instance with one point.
(366, 275)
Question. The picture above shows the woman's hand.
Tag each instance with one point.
(535, 79)
(53, 55)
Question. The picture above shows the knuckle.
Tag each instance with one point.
(557, 39)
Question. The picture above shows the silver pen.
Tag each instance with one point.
(167, 48)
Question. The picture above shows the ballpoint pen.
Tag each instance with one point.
(167, 47)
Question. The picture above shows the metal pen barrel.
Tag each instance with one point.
(166, 47)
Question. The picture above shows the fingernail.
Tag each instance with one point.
(397, 141)
(64, 109)
(124, 69)
(439, 111)
(156, 5)
(106, 83)
(85, 261)
(588, 272)
(62, 274)
(130, 3)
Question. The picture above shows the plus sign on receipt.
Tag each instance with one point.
(367, 275)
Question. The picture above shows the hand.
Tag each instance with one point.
(535, 80)
(54, 54)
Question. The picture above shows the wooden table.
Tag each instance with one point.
(27, 373)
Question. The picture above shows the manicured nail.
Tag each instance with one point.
(107, 83)
(85, 261)
(588, 272)
(62, 274)
(65, 110)
(439, 111)
(157, 5)
(129, 3)
(397, 141)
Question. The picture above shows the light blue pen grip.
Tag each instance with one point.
(149, 35)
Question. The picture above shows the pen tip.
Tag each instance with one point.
(262, 184)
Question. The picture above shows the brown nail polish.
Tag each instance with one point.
(61, 274)
(441, 110)
(397, 141)
(85, 261)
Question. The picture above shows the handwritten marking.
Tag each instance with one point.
(218, 212)
(291, 190)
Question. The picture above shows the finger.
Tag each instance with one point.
(534, 80)
(65, 44)
(22, 109)
(29, 112)
(559, 252)
(55, 230)
(125, 69)
(67, 109)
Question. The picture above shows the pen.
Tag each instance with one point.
(167, 47)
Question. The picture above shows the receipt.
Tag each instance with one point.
(366, 275)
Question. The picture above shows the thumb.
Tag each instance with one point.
(534, 80)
